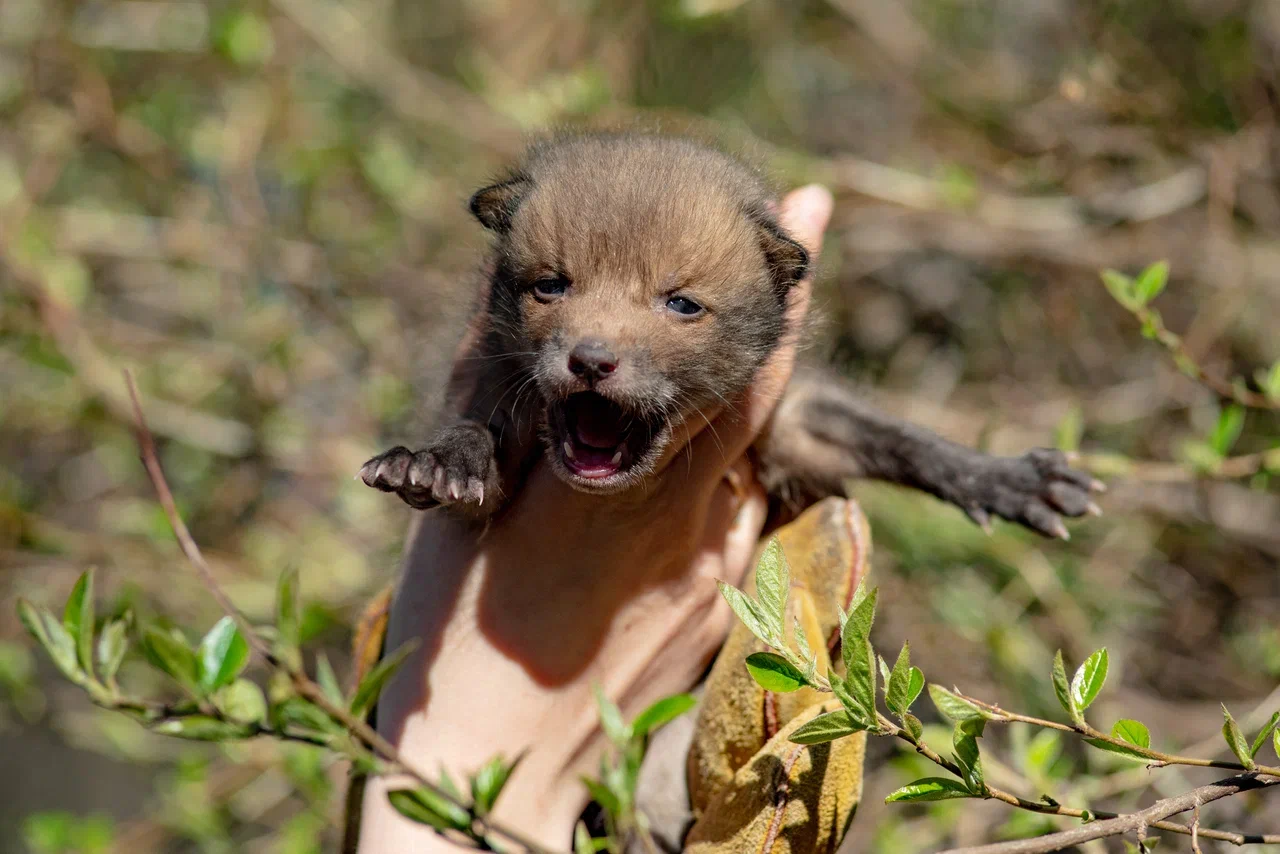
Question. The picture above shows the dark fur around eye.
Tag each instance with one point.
(550, 287)
(684, 306)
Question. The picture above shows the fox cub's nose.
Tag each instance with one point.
(592, 361)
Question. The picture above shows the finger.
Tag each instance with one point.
(735, 521)
(805, 214)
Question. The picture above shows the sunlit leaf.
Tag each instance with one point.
(1134, 732)
(242, 701)
(912, 724)
(426, 807)
(1062, 689)
(602, 795)
(172, 656)
(1150, 282)
(773, 581)
(53, 636)
(77, 618)
(898, 694)
(222, 655)
(1227, 429)
(1089, 679)
(747, 610)
(930, 789)
(774, 673)
(487, 783)
(968, 758)
(664, 711)
(366, 694)
(1235, 739)
(328, 680)
(951, 705)
(113, 643)
(1261, 738)
(826, 727)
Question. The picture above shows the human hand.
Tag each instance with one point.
(564, 590)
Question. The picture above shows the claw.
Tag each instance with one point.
(980, 517)
(1093, 509)
(1060, 531)
(1097, 486)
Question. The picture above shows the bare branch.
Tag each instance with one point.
(1147, 818)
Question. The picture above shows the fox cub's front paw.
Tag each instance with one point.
(457, 468)
(1035, 489)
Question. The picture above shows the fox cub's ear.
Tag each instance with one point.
(788, 261)
(496, 204)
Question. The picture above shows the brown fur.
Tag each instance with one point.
(588, 347)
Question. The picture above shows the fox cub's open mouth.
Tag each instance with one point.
(600, 444)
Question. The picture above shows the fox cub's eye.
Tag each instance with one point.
(550, 287)
(685, 306)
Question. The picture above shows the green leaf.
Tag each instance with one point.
(328, 680)
(1117, 749)
(603, 795)
(615, 728)
(952, 706)
(1066, 436)
(897, 695)
(1275, 741)
(930, 789)
(1133, 732)
(826, 727)
(222, 655)
(1269, 381)
(53, 636)
(582, 843)
(487, 784)
(1120, 286)
(915, 684)
(1261, 738)
(426, 807)
(1235, 739)
(967, 755)
(774, 673)
(1089, 679)
(1227, 430)
(172, 656)
(859, 656)
(447, 785)
(773, 582)
(367, 692)
(802, 642)
(1151, 282)
(288, 632)
(662, 712)
(912, 725)
(302, 713)
(77, 618)
(1062, 689)
(203, 728)
(113, 643)
(242, 701)
(747, 610)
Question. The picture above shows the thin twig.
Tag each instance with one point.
(1147, 818)
(304, 686)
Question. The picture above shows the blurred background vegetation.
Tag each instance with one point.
(258, 207)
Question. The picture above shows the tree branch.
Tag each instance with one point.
(1132, 823)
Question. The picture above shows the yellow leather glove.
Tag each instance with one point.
(751, 789)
